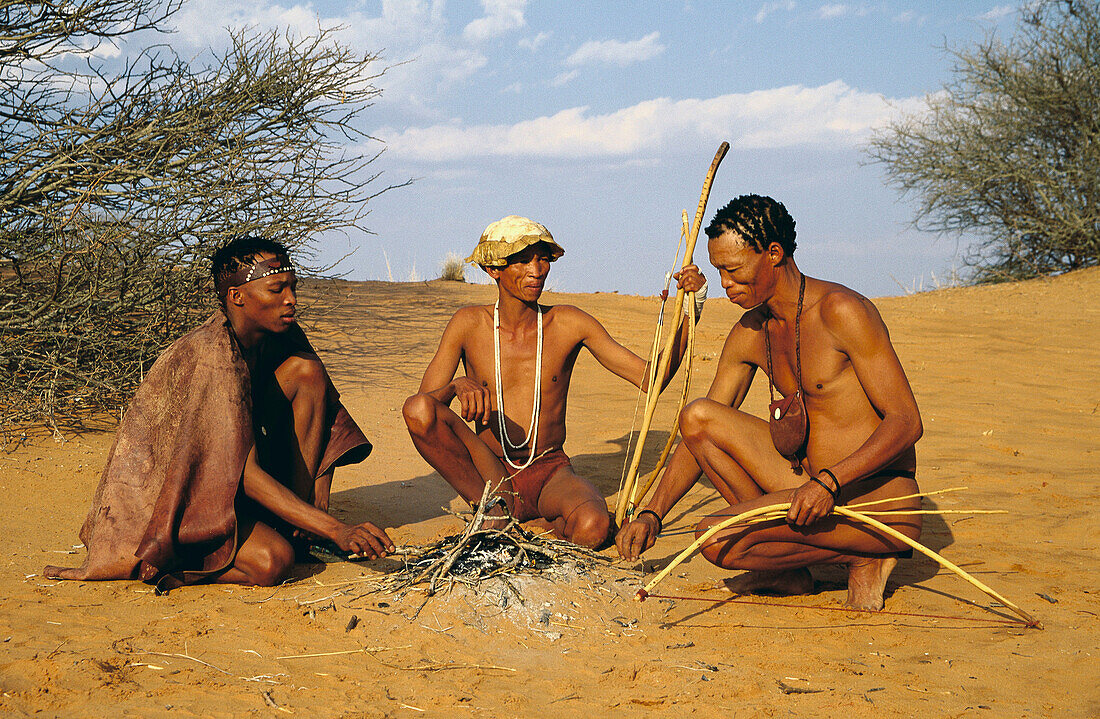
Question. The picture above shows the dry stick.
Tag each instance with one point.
(908, 496)
(781, 509)
(897, 513)
(890, 513)
(653, 392)
(774, 509)
(642, 487)
(651, 364)
(902, 512)
(1031, 621)
(438, 569)
(440, 667)
(449, 559)
(894, 499)
(184, 656)
(361, 650)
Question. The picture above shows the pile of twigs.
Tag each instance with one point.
(479, 553)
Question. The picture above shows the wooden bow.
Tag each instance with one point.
(632, 490)
(779, 511)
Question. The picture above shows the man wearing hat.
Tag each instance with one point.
(518, 358)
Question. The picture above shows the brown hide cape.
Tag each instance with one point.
(165, 501)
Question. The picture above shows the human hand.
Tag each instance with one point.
(811, 503)
(364, 540)
(690, 279)
(637, 536)
(473, 398)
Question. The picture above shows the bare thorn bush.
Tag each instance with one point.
(116, 186)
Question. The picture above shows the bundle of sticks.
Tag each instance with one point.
(480, 552)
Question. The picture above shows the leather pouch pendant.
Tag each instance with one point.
(788, 425)
(787, 419)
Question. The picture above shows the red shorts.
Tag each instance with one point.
(529, 481)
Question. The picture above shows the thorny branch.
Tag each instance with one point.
(115, 187)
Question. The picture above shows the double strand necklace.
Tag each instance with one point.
(530, 438)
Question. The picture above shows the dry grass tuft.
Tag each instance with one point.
(453, 268)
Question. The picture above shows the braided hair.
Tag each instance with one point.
(757, 220)
(240, 252)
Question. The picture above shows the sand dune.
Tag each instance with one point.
(1006, 378)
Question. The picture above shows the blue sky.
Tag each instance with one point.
(599, 120)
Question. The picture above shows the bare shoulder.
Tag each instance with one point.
(743, 339)
(846, 313)
(571, 317)
(469, 317)
(567, 313)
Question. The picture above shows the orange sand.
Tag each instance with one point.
(1006, 378)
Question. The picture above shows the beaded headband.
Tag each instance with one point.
(256, 271)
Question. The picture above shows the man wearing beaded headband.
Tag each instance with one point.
(518, 357)
(826, 349)
(226, 454)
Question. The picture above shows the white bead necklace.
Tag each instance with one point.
(506, 443)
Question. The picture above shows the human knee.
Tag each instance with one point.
(302, 378)
(590, 525)
(271, 563)
(727, 554)
(694, 419)
(419, 412)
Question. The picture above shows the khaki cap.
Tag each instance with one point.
(510, 235)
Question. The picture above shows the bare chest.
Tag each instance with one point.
(521, 360)
(809, 362)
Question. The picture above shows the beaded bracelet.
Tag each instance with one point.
(656, 516)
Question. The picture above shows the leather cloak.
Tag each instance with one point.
(165, 504)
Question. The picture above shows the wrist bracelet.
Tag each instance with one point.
(832, 477)
(656, 516)
(825, 487)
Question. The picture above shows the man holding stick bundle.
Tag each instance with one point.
(518, 358)
(843, 430)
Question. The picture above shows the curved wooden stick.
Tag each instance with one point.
(642, 486)
(1028, 619)
(779, 510)
(933, 493)
(653, 392)
(654, 353)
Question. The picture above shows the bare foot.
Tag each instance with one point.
(785, 582)
(867, 582)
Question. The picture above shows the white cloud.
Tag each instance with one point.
(840, 10)
(203, 22)
(501, 16)
(997, 12)
(564, 78)
(770, 7)
(617, 52)
(832, 114)
(426, 60)
(835, 10)
(534, 43)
